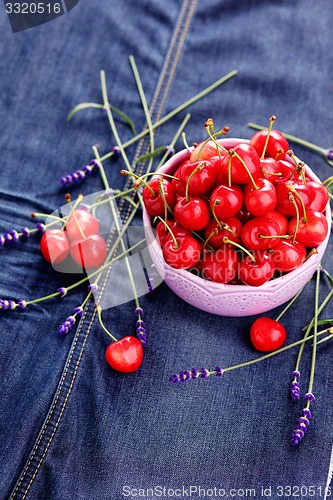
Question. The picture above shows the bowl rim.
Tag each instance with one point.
(268, 286)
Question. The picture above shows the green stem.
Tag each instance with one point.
(315, 329)
(87, 278)
(290, 303)
(271, 121)
(270, 354)
(145, 107)
(117, 225)
(177, 110)
(99, 314)
(323, 305)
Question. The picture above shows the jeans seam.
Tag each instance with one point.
(181, 27)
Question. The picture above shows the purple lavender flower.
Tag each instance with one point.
(295, 391)
(25, 233)
(40, 227)
(63, 291)
(93, 288)
(303, 422)
(67, 325)
(7, 305)
(193, 374)
(170, 150)
(329, 154)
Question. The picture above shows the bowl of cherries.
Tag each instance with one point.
(236, 227)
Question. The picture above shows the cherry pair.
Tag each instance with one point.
(79, 239)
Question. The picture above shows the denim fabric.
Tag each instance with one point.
(70, 427)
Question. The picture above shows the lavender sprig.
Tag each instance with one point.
(79, 175)
(302, 423)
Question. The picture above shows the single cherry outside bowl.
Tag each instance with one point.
(228, 299)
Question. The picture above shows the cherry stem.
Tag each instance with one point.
(233, 153)
(226, 240)
(99, 314)
(296, 193)
(139, 180)
(215, 231)
(197, 169)
(213, 136)
(147, 174)
(215, 204)
(267, 172)
(48, 216)
(271, 121)
(229, 171)
(175, 244)
(292, 199)
(72, 212)
(166, 206)
(189, 149)
(270, 236)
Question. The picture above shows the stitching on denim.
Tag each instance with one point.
(64, 404)
(175, 40)
(54, 403)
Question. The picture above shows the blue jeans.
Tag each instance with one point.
(71, 428)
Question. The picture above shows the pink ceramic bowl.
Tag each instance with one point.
(226, 299)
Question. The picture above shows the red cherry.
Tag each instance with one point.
(254, 231)
(54, 246)
(270, 169)
(312, 232)
(192, 214)
(239, 174)
(320, 196)
(89, 252)
(81, 222)
(216, 161)
(260, 199)
(256, 273)
(288, 256)
(125, 355)
(281, 220)
(183, 256)
(267, 335)
(244, 215)
(202, 180)
(216, 240)
(153, 201)
(288, 172)
(226, 201)
(220, 266)
(176, 184)
(164, 235)
(203, 151)
(277, 145)
(284, 205)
